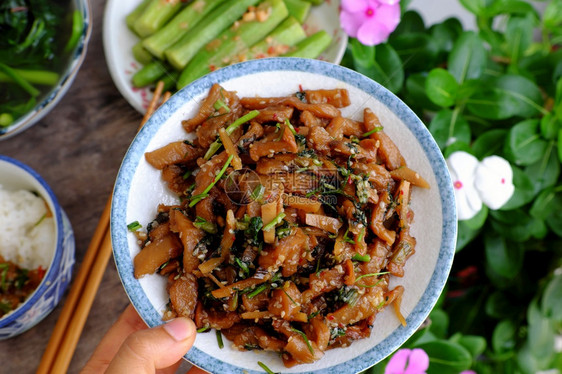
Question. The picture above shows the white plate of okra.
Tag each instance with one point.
(178, 42)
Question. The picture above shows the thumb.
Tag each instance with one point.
(160, 347)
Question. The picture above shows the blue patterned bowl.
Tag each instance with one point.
(16, 176)
(139, 189)
(47, 102)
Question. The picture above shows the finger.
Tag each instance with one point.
(196, 370)
(160, 347)
(126, 324)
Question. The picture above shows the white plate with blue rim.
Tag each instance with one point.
(118, 42)
(139, 189)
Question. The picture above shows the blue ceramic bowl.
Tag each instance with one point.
(139, 189)
(16, 176)
(48, 101)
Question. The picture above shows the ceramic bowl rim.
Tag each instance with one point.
(409, 118)
(52, 270)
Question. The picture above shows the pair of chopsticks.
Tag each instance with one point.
(67, 331)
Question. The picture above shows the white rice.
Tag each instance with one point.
(27, 237)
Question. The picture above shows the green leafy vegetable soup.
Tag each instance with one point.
(38, 37)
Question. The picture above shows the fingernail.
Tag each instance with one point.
(179, 329)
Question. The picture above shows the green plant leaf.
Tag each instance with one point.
(439, 323)
(449, 126)
(468, 57)
(550, 126)
(441, 87)
(504, 258)
(544, 173)
(445, 35)
(519, 35)
(363, 55)
(499, 306)
(411, 22)
(418, 51)
(554, 218)
(479, 219)
(446, 357)
(489, 143)
(524, 145)
(552, 16)
(526, 93)
(476, 7)
(455, 147)
(416, 95)
(559, 145)
(517, 225)
(465, 235)
(476, 345)
(503, 337)
(387, 68)
(511, 7)
(552, 299)
(540, 334)
(511, 95)
(545, 203)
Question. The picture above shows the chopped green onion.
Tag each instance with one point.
(229, 130)
(305, 338)
(4, 268)
(219, 339)
(362, 258)
(346, 238)
(290, 298)
(264, 367)
(197, 198)
(220, 104)
(163, 265)
(203, 329)
(205, 225)
(257, 193)
(257, 291)
(213, 148)
(186, 175)
(5, 307)
(242, 265)
(371, 275)
(290, 126)
(278, 218)
(369, 285)
(376, 129)
(134, 226)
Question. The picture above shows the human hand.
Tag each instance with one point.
(131, 347)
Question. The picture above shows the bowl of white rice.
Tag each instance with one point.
(36, 243)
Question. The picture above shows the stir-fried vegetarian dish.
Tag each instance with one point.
(292, 221)
(16, 284)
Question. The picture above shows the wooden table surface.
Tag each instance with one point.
(77, 148)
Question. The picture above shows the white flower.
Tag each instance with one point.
(489, 181)
(462, 167)
(494, 181)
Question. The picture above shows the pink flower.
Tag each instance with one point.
(370, 21)
(408, 361)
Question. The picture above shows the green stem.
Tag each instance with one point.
(77, 27)
(217, 178)
(19, 80)
(229, 130)
(42, 77)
